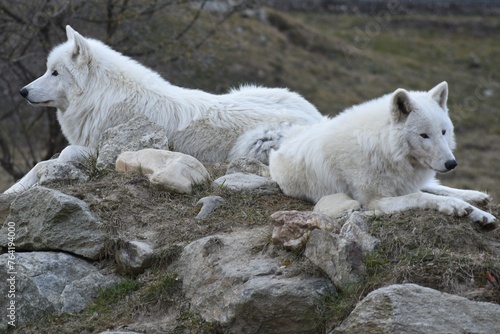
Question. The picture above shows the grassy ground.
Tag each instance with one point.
(334, 61)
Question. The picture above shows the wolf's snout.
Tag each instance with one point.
(450, 164)
(24, 92)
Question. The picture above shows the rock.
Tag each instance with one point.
(133, 257)
(58, 171)
(171, 171)
(341, 259)
(47, 219)
(5, 202)
(248, 166)
(247, 182)
(247, 291)
(49, 282)
(336, 205)
(355, 228)
(119, 332)
(208, 205)
(409, 308)
(292, 228)
(137, 134)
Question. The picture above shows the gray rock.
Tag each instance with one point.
(413, 309)
(356, 228)
(170, 171)
(47, 219)
(247, 182)
(228, 282)
(137, 134)
(134, 257)
(119, 332)
(5, 202)
(340, 258)
(248, 166)
(48, 282)
(58, 171)
(208, 205)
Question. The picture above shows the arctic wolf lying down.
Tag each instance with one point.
(94, 88)
(384, 153)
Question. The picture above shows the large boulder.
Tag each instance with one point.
(47, 219)
(171, 171)
(137, 134)
(46, 282)
(412, 309)
(228, 280)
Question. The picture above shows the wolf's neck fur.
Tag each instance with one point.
(138, 88)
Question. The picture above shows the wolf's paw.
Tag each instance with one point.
(482, 217)
(455, 207)
(476, 197)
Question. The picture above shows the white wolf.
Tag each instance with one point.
(94, 88)
(384, 153)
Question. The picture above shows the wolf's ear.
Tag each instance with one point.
(70, 32)
(440, 94)
(81, 49)
(401, 105)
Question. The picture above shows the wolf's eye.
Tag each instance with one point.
(443, 132)
(424, 135)
(55, 73)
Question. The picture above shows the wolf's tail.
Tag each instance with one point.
(258, 143)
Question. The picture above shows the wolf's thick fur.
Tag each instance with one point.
(94, 88)
(384, 153)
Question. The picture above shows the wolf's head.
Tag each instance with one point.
(423, 121)
(67, 70)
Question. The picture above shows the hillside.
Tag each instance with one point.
(335, 61)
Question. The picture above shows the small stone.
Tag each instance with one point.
(134, 257)
(355, 228)
(247, 182)
(208, 205)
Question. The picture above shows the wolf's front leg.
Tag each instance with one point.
(72, 153)
(470, 196)
(449, 205)
(28, 180)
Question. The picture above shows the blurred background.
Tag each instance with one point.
(334, 53)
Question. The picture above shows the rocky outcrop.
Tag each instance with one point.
(169, 171)
(47, 219)
(49, 282)
(228, 280)
(413, 309)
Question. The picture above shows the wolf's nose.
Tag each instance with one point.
(24, 92)
(450, 164)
